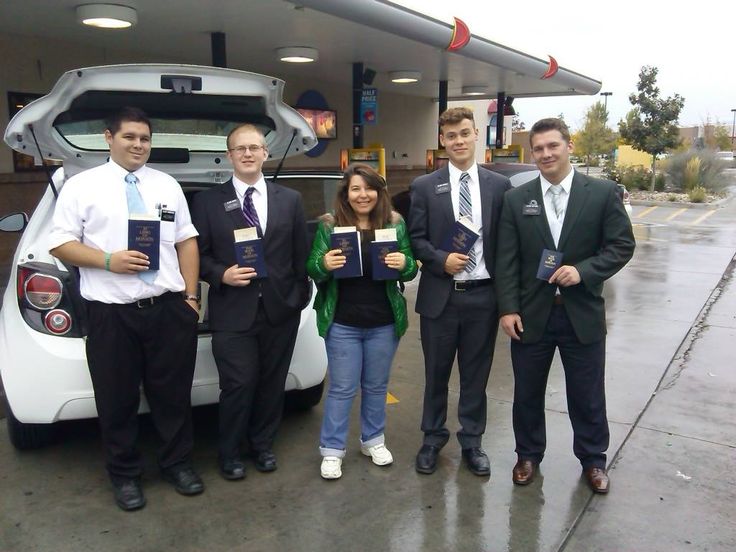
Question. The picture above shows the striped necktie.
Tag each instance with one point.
(138, 207)
(466, 210)
(556, 193)
(249, 211)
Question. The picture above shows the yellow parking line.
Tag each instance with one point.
(645, 212)
(702, 218)
(676, 213)
(390, 399)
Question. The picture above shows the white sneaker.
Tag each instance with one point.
(380, 455)
(331, 467)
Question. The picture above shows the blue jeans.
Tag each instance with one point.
(356, 357)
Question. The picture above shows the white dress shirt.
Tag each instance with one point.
(92, 208)
(555, 222)
(260, 198)
(479, 272)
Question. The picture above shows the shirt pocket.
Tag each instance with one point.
(168, 231)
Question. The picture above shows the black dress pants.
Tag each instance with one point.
(468, 327)
(253, 366)
(156, 346)
(584, 366)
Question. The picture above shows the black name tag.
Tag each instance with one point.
(531, 209)
(231, 205)
(442, 188)
(168, 216)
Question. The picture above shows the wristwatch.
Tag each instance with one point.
(190, 297)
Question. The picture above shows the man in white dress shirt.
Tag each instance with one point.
(142, 324)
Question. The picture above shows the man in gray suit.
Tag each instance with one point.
(456, 299)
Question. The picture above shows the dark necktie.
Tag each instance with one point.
(249, 211)
(466, 210)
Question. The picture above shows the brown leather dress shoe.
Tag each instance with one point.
(597, 480)
(523, 472)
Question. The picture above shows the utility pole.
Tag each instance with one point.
(733, 127)
(605, 102)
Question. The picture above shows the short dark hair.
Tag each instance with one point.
(455, 115)
(246, 126)
(381, 213)
(551, 123)
(127, 115)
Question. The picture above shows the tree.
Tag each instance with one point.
(517, 124)
(595, 138)
(721, 138)
(651, 126)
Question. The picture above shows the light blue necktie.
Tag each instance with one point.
(136, 206)
(466, 210)
(556, 193)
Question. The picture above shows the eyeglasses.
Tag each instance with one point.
(253, 148)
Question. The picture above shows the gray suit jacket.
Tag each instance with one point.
(430, 222)
(285, 291)
(596, 238)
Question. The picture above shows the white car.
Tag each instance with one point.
(42, 322)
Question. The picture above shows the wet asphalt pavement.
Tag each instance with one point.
(671, 388)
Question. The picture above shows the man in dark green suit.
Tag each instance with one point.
(583, 219)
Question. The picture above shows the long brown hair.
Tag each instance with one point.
(381, 213)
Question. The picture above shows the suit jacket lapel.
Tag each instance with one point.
(272, 194)
(445, 199)
(534, 193)
(579, 192)
(236, 215)
(486, 205)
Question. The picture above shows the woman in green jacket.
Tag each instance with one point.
(360, 318)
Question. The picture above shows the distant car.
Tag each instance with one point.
(43, 322)
(517, 173)
(727, 157)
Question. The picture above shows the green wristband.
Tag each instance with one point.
(108, 256)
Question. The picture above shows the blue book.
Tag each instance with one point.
(347, 239)
(144, 235)
(249, 251)
(548, 263)
(462, 237)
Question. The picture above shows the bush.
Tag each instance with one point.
(693, 168)
(659, 182)
(697, 194)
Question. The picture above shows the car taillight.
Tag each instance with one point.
(57, 321)
(48, 299)
(626, 197)
(43, 291)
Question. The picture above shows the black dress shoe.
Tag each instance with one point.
(427, 459)
(185, 480)
(128, 494)
(232, 470)
(265, 461)
(477, 461)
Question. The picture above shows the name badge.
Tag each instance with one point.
(532, 208)
(168, 215)
(231, 205)
(442, 188)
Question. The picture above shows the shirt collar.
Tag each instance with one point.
(241, 187)
(455, 173)
(566, 183)
(125, 172)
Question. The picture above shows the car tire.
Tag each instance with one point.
(304, 399)
(27, 436)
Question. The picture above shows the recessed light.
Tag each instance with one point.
(107, 16)
(405, 77)
(298, 54)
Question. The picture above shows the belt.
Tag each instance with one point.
(559, 300)
(464, 285)
(151, 301)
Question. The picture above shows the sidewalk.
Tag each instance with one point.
(673, 476)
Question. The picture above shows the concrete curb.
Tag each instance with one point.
(731, 193)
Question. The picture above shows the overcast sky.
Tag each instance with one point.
(692, 44)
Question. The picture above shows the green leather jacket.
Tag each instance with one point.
(326, 301)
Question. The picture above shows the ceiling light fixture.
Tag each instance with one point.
(405, 77)
(298, 54)
(474, 91)
(107, 16)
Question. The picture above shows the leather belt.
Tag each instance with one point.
(464, 285)
(151, 301)
(559, 300)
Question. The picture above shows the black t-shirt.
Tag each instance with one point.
(362, 302)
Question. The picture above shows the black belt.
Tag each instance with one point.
(151, 301)
(464, 285)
